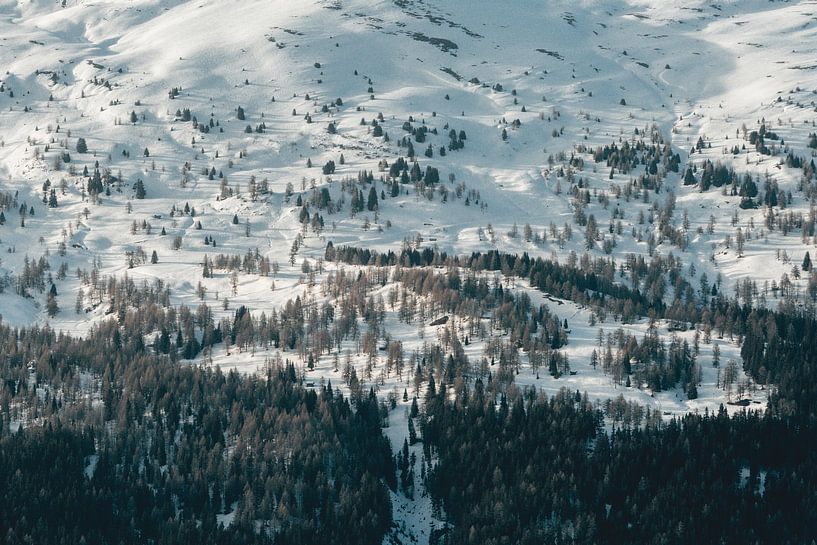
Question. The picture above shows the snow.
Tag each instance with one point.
(227, 518)
(90, 468)
(693, 70)
(413, 517)
(713, 81)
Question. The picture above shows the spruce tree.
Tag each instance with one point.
(51, 306)
(371, 203)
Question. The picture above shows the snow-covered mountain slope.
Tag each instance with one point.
(557, 79)
(188, 129)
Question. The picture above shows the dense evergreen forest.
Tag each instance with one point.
(166, 448)
(538, 470)
(122, 443)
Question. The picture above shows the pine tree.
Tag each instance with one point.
(740, 240)
(553, 369)
(689, 177)
(51, 306)
(154, 258)
(82, 147)
(692, 391)
(78, 303)
(371, 203)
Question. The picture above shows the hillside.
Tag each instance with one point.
(219, 168)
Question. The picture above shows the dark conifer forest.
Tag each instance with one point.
(175, 446)
(537, 470)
